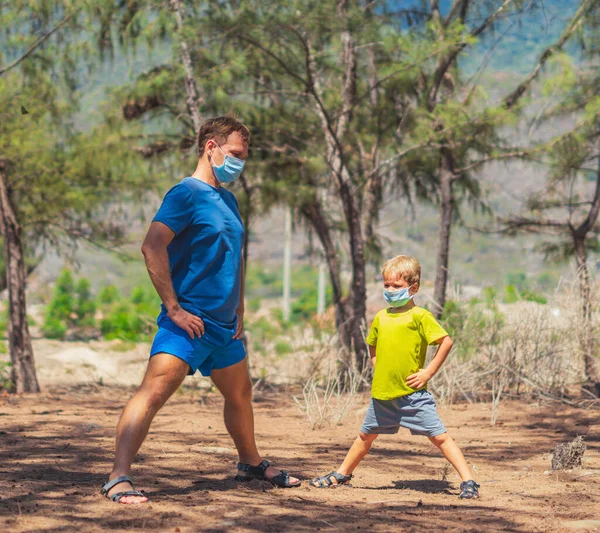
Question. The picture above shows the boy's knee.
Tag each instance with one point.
(438, 440)
(367, 438)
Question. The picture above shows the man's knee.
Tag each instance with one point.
(163, 377)
(240, 394)
(155, 393)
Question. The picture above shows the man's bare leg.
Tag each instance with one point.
(164, 375)
(234, 384)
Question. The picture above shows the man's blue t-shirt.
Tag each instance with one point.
(206, 253)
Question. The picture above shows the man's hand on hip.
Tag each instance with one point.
(192, 324)
(239, 329)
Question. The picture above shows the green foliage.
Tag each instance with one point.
(109, 294)
(305, 306)
(471, 326)
(54, 328)
(283, 348)
(254, 304)
(72, 307)
(262, 282)
(517, 279)
(132, 319)
(85, 306)
(532, 296)
(4, 322)
(511, 294)
(264, 330)
(5, 381)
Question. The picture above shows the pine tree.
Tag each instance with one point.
(57, 184)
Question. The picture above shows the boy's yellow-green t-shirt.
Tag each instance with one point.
(401, 340)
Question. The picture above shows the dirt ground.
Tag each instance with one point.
(55, 452)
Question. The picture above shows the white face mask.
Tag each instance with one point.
(230, 169)
(397, 298)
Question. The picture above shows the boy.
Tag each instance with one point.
(398, 343)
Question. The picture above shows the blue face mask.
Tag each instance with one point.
(397, 298)
(230, 170)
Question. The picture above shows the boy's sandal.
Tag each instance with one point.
(116, 497)
(325, 482)
(469, 489)
(259, 472)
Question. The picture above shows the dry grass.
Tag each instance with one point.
(502, 351)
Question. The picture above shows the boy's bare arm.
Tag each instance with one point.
(372, 353)
(420, 379)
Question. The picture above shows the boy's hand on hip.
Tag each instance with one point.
(239, 329)
(418, 380)
(192, 324)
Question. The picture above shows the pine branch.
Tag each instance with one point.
(37, 44)
(446, 62)
(576, 22)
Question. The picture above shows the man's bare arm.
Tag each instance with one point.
(239, 330)
(155, 253)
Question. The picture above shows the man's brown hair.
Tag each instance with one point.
(219, 129)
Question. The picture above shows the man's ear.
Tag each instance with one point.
(209, 146)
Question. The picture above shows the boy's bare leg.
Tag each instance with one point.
(164, 375)
(359, 449)
(234, 384)
(453, 454)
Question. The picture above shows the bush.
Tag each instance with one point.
(109, 294)
(5, 381)
(132, 319)
(54, 328)
(470, 326)
(254, 304)
(263, 329)
(283, 348)
(511, 295)
(85, 306)
(72, 307)
(531, 296)
(305, 307)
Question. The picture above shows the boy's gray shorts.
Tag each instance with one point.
(416, 411)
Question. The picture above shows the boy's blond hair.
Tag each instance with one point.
(402, 266)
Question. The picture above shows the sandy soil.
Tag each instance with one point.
(55, 451)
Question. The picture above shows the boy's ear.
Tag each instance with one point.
(415, 288)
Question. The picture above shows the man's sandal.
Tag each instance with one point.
(469, 489)
(116, 497)
(259, 472)
(325, 482)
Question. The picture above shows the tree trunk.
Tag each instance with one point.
(190, 82)
(588, 342)
(352, 329)
(246, 214)
(446, 214)
(322, 288)
(370, 208)
(287, 264)
(21, 352)
(314, 214)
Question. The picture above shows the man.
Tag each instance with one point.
(193, 253)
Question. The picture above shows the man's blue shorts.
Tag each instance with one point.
(416, 411)
(216, 348)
